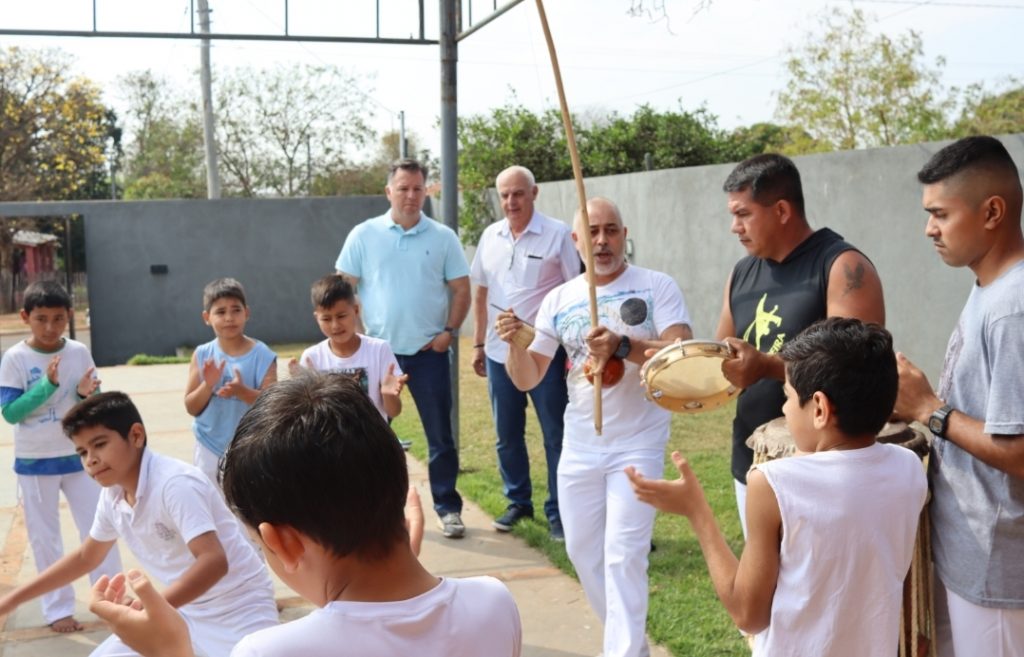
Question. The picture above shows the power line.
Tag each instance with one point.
(920, 3)
(317, 57)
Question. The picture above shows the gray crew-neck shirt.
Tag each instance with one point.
(977, 511)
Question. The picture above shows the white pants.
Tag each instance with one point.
(608, 537)
(40, 498)
(741, 503)
(971, 630)
(215, 630)
(204, 459)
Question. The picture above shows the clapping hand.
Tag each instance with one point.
(391, 384)
(233, 387)
(88, 384)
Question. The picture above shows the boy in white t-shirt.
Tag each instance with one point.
(40, 379)
(334, 530)
(369, 361)
(830, 531)
(175, 522)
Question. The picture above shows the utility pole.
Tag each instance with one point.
(403, 149)
(209, 136)
(450, 14)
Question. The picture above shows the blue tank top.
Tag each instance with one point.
(215, 426)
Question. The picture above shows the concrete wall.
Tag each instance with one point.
(678, 224)
(275, 247)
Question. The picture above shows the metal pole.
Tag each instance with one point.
(497, 12)
(309, 168)
(67, 273)
(209, 136)
(449, 161)
(403, 149)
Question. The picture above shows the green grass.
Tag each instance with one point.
(685, 615)
(146, 359)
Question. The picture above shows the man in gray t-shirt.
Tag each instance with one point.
(972, 193)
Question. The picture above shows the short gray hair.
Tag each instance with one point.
(521, 170)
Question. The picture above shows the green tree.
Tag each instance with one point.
(851, 88)
(488, 143)
(513, 134)
(53, 128)
(276, 127)
(164, 158)
(54, 136)
(992, 113)
(759, 138)
(621, 144)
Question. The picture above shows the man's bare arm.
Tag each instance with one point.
(460, 301)
(854, 289)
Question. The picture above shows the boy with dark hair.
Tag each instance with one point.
(226, 374)
(173, 520)
(823, 567)
(972, 194)
(40, 379)
(369, 361)
(313, 438)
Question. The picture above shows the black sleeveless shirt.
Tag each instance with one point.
(772, 302)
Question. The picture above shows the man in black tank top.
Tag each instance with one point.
(792, 277)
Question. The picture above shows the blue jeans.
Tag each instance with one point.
(508, 406)
(431, 390)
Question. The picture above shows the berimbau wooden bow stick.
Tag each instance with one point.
(577, 172)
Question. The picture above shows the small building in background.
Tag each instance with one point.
(39, 252)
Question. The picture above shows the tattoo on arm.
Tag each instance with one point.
(854, 277)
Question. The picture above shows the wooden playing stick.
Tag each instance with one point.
(577, 172)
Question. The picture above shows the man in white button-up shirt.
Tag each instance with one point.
(518, 261)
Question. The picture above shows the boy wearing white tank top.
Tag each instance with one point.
(830, 531)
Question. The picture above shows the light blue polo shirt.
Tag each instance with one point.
(403, 278)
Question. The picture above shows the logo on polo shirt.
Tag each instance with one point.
(164, 532)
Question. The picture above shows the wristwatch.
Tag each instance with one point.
(453, 331)
(939, 421)
(622, 351)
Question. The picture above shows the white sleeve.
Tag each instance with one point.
(477, 272)
(103, 529)
(385, 358)
(187, 500)
(544, 342)
(669, 305)
(310, 355)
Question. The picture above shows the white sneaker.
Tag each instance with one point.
(451, 525)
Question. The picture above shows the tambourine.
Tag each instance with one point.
(686, 377)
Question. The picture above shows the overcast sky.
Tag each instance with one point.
(728, 56)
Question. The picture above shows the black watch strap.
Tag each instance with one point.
(939, 421)
(622, 351)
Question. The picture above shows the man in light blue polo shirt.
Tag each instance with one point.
(406, 266)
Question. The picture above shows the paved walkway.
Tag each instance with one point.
(557, 621)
